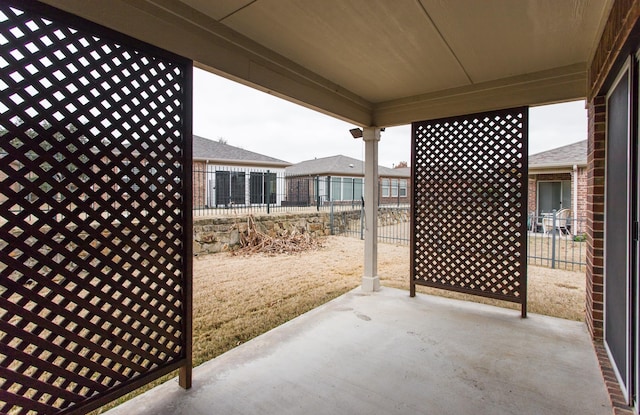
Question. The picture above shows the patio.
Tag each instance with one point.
(384, 352)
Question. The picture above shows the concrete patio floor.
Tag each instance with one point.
(387, 353)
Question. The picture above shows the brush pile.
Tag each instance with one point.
(253, 241)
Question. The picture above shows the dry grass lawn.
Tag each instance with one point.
(237, 298)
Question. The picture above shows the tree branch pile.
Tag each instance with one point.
(253, 241)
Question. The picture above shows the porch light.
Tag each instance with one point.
(357, 132)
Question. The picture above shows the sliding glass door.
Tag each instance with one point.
(618, 311)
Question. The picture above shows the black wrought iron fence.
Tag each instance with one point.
(393, 224)
(224, 190)
(557, 240)
(553, 241)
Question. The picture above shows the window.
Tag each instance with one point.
(403, 188)
(262, 188)
(385, 188)
(347, 188)
(230, 188)
(394, 187)
(323, 189)
(357, 189)
(336, 188)
(553, 195)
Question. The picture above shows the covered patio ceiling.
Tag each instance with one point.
(376, 62)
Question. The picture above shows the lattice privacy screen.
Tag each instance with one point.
(94, 212)
(469, 204)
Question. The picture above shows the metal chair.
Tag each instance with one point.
(563, 224)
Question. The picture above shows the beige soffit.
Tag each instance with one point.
(376, 62)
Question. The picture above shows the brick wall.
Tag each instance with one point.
(582, 190)
(199, 184)
(533, 194)
(553, 177)
(596, 110)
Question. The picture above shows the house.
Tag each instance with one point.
(224, 175)
(340, 179)
(558, 179)
(395, 185)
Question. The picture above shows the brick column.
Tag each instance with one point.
(596, 149)
(199, 184)
(533, 197)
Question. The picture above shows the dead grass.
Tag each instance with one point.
(237, 297)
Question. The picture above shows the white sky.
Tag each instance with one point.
(268, 125)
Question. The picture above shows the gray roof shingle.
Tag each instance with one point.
(565, 156)
(205, 149)
(338, 166)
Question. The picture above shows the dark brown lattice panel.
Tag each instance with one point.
(93, 224)
(469, 206)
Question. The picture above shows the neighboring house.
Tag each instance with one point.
(558, 179)
(340, 179)
(225, 175)
(394, 185)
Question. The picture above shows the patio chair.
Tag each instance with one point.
(563, 224)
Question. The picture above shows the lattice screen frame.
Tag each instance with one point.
(95, 212)
(469, 207)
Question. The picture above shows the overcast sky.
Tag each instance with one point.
(268, 125)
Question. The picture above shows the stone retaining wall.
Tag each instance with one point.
(212, 235)
(391, 216)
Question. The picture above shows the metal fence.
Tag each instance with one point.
(224, 190)
(219, 191)
(552, 242)
(557, 242)
(393, 224)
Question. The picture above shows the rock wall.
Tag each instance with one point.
(391, 216)
(212, 235)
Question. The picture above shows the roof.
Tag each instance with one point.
(565, 156)
(205, 149)
(338, 166)
(424, 59)
(404, 171)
